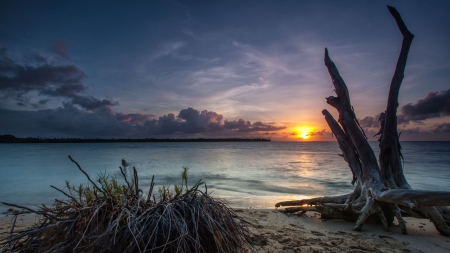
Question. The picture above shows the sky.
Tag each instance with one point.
(217, 69)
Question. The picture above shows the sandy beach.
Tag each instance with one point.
(279, 232)
(308, 233)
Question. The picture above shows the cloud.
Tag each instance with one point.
(60, 48)
(46, 79)
(435, 105)
(437, 129)
(71, 121)
(442, 128)
(320, 133)
(242, 125)
(40, 103)
(65, 121)
(195, 122)
(166, 49)
(102, 122)
(134, 118)
(370, 121)
(35, 57)
(92, 103)
(191, 121)
(415, 130)
(240, 78)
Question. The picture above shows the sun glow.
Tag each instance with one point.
(303, 132)
(304, 135)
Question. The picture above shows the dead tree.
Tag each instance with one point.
(381, 188)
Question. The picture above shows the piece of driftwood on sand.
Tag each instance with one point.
(381, 188)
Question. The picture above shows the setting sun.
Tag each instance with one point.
(303, 132)
(304, 135)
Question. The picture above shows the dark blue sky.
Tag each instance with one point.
(245, 68)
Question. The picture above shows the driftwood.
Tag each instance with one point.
(381, 188)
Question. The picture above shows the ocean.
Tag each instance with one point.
(246, 174)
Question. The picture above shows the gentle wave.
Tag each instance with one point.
(246, 174)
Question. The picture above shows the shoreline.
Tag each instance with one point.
(279, 232)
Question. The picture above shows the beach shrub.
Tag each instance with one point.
(113, 216)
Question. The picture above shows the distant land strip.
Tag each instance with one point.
(12, 139)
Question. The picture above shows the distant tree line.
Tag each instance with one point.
(8, 138)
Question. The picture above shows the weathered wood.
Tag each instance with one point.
(381, 189)
(390, 162)
(432, 213)
(348, 150)
(414, 198)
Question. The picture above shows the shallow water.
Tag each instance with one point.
(247, 174)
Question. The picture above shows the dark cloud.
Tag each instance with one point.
(47, 79)
(35, 57)
(40, 103)
(60, 48)
(44, 78)
(198, 122)
(370, 121)
(43, 101)
(238, 124)
(166, 124)
(71, 121)
(191, 121)
(320, 133)
(65, 121)
(63, 90)
(242, 125)
(134, 118)
(92, 103)
(102, 122)
(22, 100)
(442, 128)
(435, 105)
(415, 130)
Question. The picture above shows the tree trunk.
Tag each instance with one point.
(382, 188)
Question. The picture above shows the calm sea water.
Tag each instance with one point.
(249, 174)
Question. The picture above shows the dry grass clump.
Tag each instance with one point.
(108, 216)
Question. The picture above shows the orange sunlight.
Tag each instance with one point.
(303, 132)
